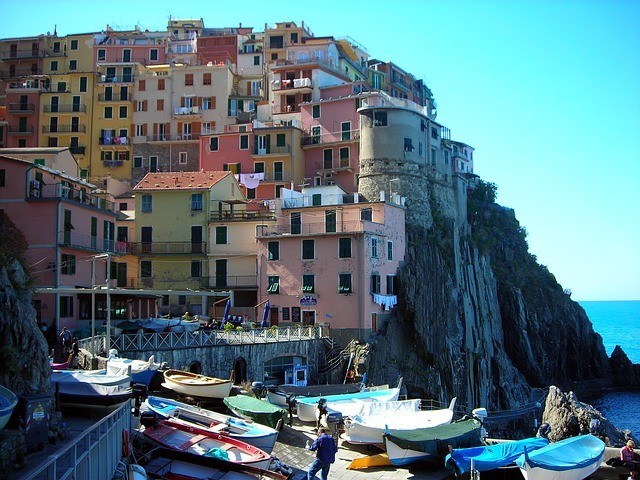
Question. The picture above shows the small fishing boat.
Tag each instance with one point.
(347, 404)
(174, 464)
(368, 426)
(141, 371)
(256, 434)
(8, 401)
(192, 384)
(278, 395)
(573, 458)
(257, 410)
(491, 457)
(180, 436)
(431, 444)
(91, 388)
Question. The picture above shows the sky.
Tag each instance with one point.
(546, 91)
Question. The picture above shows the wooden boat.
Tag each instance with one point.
(491, 457)
(368, 426)
(431, 444)
(347, 404)
(164, 463)
(257, 410)
(189, 438)
(573, 458)
(256, 434)
(141, 371)
(91, 388)
(8, 401)
(278, 395)
(191, 384)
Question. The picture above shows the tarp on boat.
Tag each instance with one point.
(568, 454)
(490, 457)
(319, 390)
(435, 440)
(257, 410)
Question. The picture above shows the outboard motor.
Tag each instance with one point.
(334, 420)
(322, 410)
(594, 427)
(149, 419)
(481, 414)
(140, 393)
(544, 430)
(291, 403)
(258, 389)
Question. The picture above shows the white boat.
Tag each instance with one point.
(573, 458)
(96, 377)
(175, 324)
(278, 395)
(194, 385)
(368, 426)
(91, 387)
(346, 404)
(141, 371)
(256, 434)
(8, 401)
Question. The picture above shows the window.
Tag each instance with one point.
(123, 111)
(308, 283)
(153, 54)
(345, 128)
(330, 221)
(66, 306)
(327, 159)
(389, 250)
(433, 157)
(83, 84)
(408, 146)
(420, 149)
(206, 103)
(213, 144)
(54, 65)
(344, 283)
(145, 269)
(281, 140)
(315, 111)
(434, 133)
(140, 106)
(206, 79)
(251, 193)
(73, 45)
(140, 128)
(188, 79)
(344, 248)
(68, 266)
(102, 54)
(73, 64)
(392, 285)
(379, 118)
(161, 84)
(196, 268)
(244, 142)
(221, 235)
(256, 59)
(274, 251)
(366, 214)
(375, 283)
(374, 247)
(3, 178)
(258, 167)
(315, 135)
(278, 174)
(296, 223)
(344, 157)
(137, 162)
(108, 112)
(196, 202)
(308, 249)
(147, 203)
(274, 284)
(232, 167)
(182, 158)
(182, 299)
(160, 104)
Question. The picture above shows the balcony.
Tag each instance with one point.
(58, 190)
(232, 281)
(112, 163)
(350, 226)
(182, 137)
(22, 54)
(343, 165)
(116, 79)
(331, 138)
(15, 73)
(244, 215)
(65, 108)
(381, 99)
(186, 112)
(64, 128)
(277, 150)
(22, 108)
(20, 130)
(71, 239)
(103, 97)
(290, 108)
(302, 85)
(154, 248)
(114, 141)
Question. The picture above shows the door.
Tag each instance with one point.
(121, 274)
(124, 93)
(273, 316)
(55, 101)
(53, 124)
(146, 239)
(127, 74)
(75, 102)
(126, 55)
(108, 93)
(308, 317)
(196, 239)
(221, 273)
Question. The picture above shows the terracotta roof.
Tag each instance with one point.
(180, 180)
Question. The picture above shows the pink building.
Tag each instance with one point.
(331, 258)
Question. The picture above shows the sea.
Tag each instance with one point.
(618, 323)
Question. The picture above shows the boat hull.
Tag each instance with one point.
(8, 401)
(141, 371)
(346, 404)
(193, 385)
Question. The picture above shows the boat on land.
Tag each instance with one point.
(175, 324)
(189, 438)
(431, 444)
(91, 388)
(173, 464)
(8, 401)
(254, 409)
(194, 385)
(278, 395)
(368, 426)
(256, 434)
(491, 457)
(141, 371)
(573, 458)
(346, 404)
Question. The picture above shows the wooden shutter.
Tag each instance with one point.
(167, 129)
(144, 105)
(155, 131)
(196, 128)
(213, 102)
(248, 88)
(182, 101)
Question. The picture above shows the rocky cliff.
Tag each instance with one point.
(479, 318)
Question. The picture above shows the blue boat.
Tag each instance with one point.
(491, 457)
(8, 401)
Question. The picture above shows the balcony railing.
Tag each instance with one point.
(64, 128)
(65, 108)
(286, 109)
(22, 108)
(116, 79)
(114, 98)
(23, 72)
(20, 130)
(168, 247)
(22, 54)
(296, 83)
(113, 141)
(278, 150)
(181, 137)
(381, 99)
(69, 238)
(180, 111)
(232, 281)
(58, 190)
(333, 137)
(241, 216)
(348, 226)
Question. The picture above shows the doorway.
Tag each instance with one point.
(239, 373)
(308, 317)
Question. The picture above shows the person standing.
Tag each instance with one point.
(65, 339)
(325, 448)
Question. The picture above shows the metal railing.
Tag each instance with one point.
(333, 137)
(22, 108)
(168, 247)
(317, 228)
(69, 238)
(72, 128)
(65, 108)
(59, 190)
(231, 281)
(226, 216)
(94, 454)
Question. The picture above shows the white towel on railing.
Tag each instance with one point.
(251, 180)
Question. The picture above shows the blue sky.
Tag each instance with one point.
(548, 93)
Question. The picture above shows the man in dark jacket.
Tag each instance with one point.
(325, 448)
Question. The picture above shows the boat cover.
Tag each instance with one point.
(435, 440)
(391, 393)
(315, 390)
(568, 454)
(258, 410)
(491, 457)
